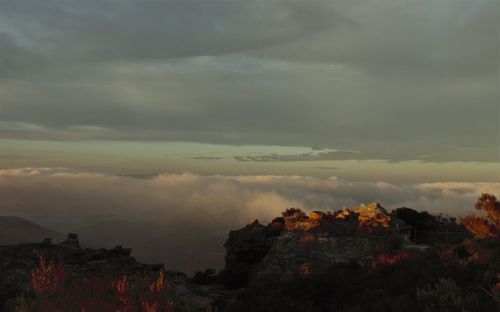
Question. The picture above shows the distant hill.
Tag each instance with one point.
(15, 230)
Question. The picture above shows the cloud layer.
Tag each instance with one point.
(183, 219)
(391, 80)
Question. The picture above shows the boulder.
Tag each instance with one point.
(244, 248)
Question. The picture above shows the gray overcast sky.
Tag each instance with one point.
(394, 80)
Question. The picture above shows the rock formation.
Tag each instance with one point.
(17, 263)
(297, 243)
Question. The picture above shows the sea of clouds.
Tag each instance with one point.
(190, 215)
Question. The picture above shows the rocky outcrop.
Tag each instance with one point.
(245, 248)
(17, 263)
(296, 243)
(303, 253)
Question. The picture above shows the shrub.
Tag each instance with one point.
(57, 290)
(21, 303)
(445, 296)
(206, 277)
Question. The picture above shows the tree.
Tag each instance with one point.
(419, 220)
(484, 227)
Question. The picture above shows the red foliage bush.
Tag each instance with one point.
(389, 259)
(48, 276)
(449, 257)
(56, 290)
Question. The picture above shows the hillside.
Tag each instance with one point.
(15, 230)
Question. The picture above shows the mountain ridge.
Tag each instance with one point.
(17, 230)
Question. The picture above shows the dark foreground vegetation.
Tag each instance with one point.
(285, 266)
(445, 278)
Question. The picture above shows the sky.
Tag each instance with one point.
(255, 82)
(229, 110)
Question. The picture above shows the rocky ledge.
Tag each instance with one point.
(17, 263)
(296, 243)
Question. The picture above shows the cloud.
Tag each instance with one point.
(165, 29)
(206, 158)
(453, 189)
(187, 217)
(409, 39)
(391, 80)
(325, 168)
(312, 156)
(417, 37)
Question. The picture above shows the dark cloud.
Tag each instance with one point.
(407, 39)
(328, 155)
(367, 154)
(138, 30)
(15, 59)
(207, 158)
(391, 80)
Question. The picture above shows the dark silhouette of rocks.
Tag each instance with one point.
(245, 248)
(17, 263)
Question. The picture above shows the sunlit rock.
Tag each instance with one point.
(321, 239)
